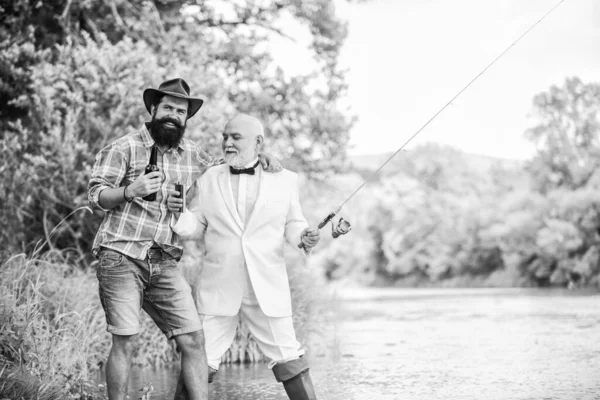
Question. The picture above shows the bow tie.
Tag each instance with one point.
(249, 171)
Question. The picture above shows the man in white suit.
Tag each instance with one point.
(245, 217)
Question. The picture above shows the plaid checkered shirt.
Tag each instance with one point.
(133, 227)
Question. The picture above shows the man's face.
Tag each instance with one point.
(169, 119)
(239, 146)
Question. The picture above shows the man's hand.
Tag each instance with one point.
(269, 163)
(174, 201)
(309, 238)
(145, 185)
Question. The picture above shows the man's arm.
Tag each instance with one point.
(191, 223)
(144, 185)
(296, 227)
(104, 188)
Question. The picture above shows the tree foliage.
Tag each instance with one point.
(72, 74)
(567, 135)
(439, 216)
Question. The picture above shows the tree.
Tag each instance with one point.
(567, 135)
(429, 218)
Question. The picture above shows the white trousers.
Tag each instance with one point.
(275, 336)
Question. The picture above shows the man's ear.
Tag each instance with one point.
(260, 140)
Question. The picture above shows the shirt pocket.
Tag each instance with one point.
(111, 266)
(110, 258)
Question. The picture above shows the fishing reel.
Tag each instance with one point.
(338, 230)
(341, 228)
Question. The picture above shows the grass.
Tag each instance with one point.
(50, 330)
(53, 329)
(53, 335)
(19, 384)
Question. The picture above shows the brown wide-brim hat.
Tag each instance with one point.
(177, 88)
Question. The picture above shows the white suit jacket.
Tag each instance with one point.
(276, 218)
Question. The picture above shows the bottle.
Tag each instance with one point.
(180, 188)
(151, 167)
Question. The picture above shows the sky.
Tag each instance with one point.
(406, 59)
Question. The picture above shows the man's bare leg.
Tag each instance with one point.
(194, 375)
(118, 366)
(180, 391)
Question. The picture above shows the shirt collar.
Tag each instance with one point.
(251, 163)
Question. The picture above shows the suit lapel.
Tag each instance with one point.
(227, 193)
(264, 186)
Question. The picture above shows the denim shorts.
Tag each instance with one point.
(156, 284)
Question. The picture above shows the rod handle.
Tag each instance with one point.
(325, 221)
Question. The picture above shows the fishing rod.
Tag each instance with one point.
(343, 226)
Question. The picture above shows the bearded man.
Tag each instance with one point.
(137, 250)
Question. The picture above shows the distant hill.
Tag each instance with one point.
(370, 162)
(456, 166)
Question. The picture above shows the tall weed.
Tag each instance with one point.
(53, 329)
(50, 328)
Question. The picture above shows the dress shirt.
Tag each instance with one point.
(245, 190)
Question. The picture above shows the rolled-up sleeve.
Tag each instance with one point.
(109, 171)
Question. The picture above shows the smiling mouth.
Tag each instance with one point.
(169, 124)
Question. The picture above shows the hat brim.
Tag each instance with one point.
(151, 95)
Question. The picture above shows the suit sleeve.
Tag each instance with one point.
(191, 223)
(295, 222)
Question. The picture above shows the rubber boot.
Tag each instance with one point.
(211, 374)
(296, 379)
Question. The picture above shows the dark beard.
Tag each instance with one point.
(166, 135)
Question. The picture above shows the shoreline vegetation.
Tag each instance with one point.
(53, 335)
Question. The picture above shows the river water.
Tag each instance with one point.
(436, 344)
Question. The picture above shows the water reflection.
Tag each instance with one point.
(232, 382)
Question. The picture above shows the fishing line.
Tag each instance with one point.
(450, 102)
(338, 208)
